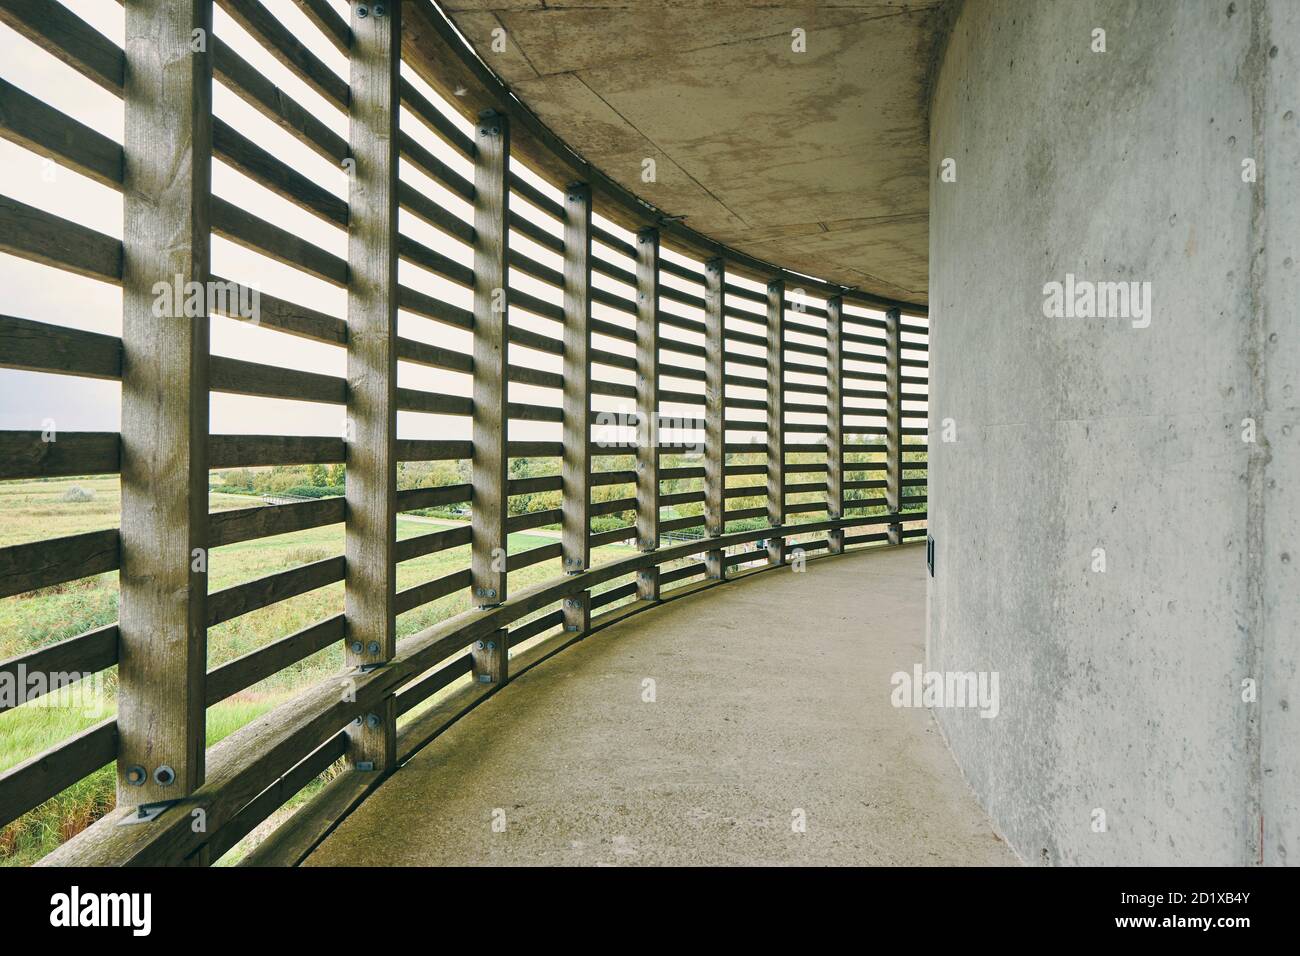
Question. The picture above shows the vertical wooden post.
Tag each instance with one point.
(491, 255)
(776, 417)
(647, 407)
(162, 657)
(893, 423)
(575, 526)
(715, 455)
(369, 602)
(490, 657)
(835, 419)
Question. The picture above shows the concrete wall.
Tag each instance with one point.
(1121, 690)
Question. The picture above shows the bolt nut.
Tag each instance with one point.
(164, 776)
(136, 776)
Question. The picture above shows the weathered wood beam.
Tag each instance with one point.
(647, 406)
(163, 607)
(893, 423)
(491, 258)
(575, 466)
(776, 427)
(370, 589)
(835, 419)
(714, 412)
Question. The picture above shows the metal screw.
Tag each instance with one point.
(373, 647)
(363, 11)
(165, 775)
(357, 647)
(379, 10)
(372, 721)
(492, 645)
(136, 776)
(357, 721)
(479, 645)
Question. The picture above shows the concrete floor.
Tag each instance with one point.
(771, 697)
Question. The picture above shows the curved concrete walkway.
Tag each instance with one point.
(771, 703)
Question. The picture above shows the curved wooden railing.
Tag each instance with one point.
(645, 320)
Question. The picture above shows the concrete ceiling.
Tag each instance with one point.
(816, 161)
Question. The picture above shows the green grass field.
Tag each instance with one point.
(34, 510)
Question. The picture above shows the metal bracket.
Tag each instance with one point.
(366, 766)
(147, 812)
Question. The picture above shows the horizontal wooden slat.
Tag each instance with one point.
(415, 252)
(422, 544)
(276, 175)
(64, 35)
(329, 21)
(36, 126)
(434, 356)
(434, 308)
(526, 559)
(433, 403)
(288, 49)
(32, 782)
(29, 455)
(276, 795)
(410, 499)
(262, 592)
(419, 691)
(285, 316)
(248, 524)
(247, 230)
(77, 657)
(438, 124)
(39, 564)
(422, 594)
(245, 451)
(273, 381)
(245, 671)
(265, 97)
(30, 233)
(42, 347)
(435, 168)
(432, 450)
(425, 208)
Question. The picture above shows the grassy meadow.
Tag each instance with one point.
(34, 510)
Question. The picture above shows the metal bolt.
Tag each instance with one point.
(372, 721)
(356, 721)
(492, 645)
(373, 647)
(357, 647)
(136, 776)
(479, 645)
(363, 11)
(165, 775)
(379, 10)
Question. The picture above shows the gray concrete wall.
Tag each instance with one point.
(1121, 690)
